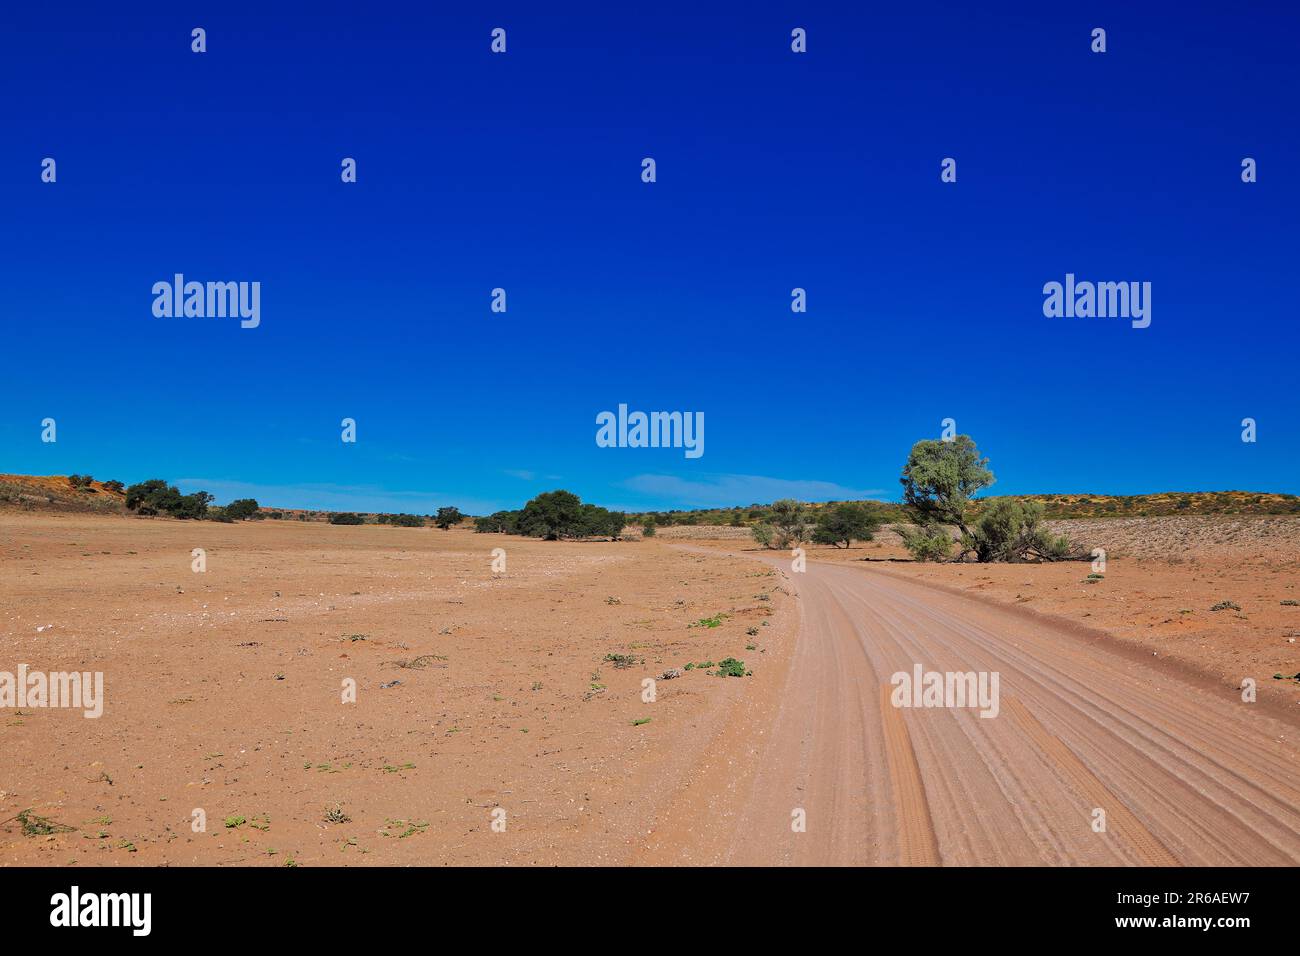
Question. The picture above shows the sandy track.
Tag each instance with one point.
(1186, 774)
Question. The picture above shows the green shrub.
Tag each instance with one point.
(790, 519)
(845, 523)
(927, 542)
(939, 480)
(730, 667)
(242, 508)
(1009, 530)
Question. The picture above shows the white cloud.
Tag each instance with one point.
(328, 497)
(711, 491)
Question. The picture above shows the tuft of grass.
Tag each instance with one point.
(234, 822)
(715, 621)
(419, 663)
(336, 814)
(643, 720)
(731, 668)
(34, 825)
(1226, 606)
(623, 661)
(407, 828)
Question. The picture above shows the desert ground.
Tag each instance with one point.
(517, 732)
(223, 690)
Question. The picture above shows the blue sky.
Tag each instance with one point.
(522, 171)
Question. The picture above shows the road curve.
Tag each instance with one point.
(1185, 773)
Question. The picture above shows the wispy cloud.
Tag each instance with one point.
(710, 491)
(329, 497)
(520, 473)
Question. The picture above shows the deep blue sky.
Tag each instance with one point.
(775, 170)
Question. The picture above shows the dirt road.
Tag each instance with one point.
(1184, 773)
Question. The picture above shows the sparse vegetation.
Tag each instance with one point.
(33, 825)
(842, 524)
(715, 621)
(730, 667)
(789, 518)
(623, 661)
(401, 520)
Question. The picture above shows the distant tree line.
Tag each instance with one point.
(402, 520)
(445, 518)
(156, 497)
(789, 522)
(940, 481)
(554, 515)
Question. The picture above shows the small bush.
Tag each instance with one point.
(1009, 530)
(730, 667)
(346, 517)
(927, 543)
(622, 661)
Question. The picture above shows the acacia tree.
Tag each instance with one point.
(939, 481)
(552, 515)
(790, 519)
(844, 523)
(447, 517)
(242, 508)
